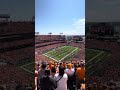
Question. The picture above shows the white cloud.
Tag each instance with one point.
(79, 27)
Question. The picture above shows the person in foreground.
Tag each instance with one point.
(47, 82)
(61, 79)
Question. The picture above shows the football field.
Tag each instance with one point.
(93, 58)
(29, 67)
(61, 53)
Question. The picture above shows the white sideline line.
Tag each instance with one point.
(95, 57)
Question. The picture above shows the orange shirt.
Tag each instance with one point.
(80, 73)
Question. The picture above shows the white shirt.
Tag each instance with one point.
(62, 83)
(69, 72)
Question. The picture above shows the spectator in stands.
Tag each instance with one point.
(83, 86)
(36, 73)
(60, 64)
(50, 64)
(80, 73)
(42, 70)
(70, 72)
(104, 87)
(1, 88)
(41, 73)
(63, 72)
(47, 82)
(61, 79)
(53, 71)
(64, 65)
(37, 67)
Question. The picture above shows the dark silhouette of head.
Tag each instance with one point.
(53, 70)
(47, 72)
(44, 65)
(61, 70)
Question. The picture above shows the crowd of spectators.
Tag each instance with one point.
(43, 46)
(16, 46)
(40, 50)
(63, 75)
(93, 83)
(14, 78)
(16, 43)
(17, 56)
(48, 43)
(110, 69)
(60, 75)
(49, 37)
(15, 49)
(17, 27)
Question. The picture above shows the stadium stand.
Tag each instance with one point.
(17, 48)
(106, 74)
(73, 75)
(44, 43)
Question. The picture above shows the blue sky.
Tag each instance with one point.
(60, 16)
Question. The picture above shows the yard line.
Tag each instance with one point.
(95, 56)
(62, 58)
(92, 64)
(26, 64)
(93, 49)
(53, 50)
(50, 57)
(89, 67)
(55, 53)
(68, 54)
(27, 70)
(100, 58)
(22, 67)
(96, 62)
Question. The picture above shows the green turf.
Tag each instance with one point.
(94, 58)
(29, 67)
(61, 52)
(90, 53)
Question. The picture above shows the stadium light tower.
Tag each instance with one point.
(36, 33)
(50, 33)
(61, 33)
(4, 17)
